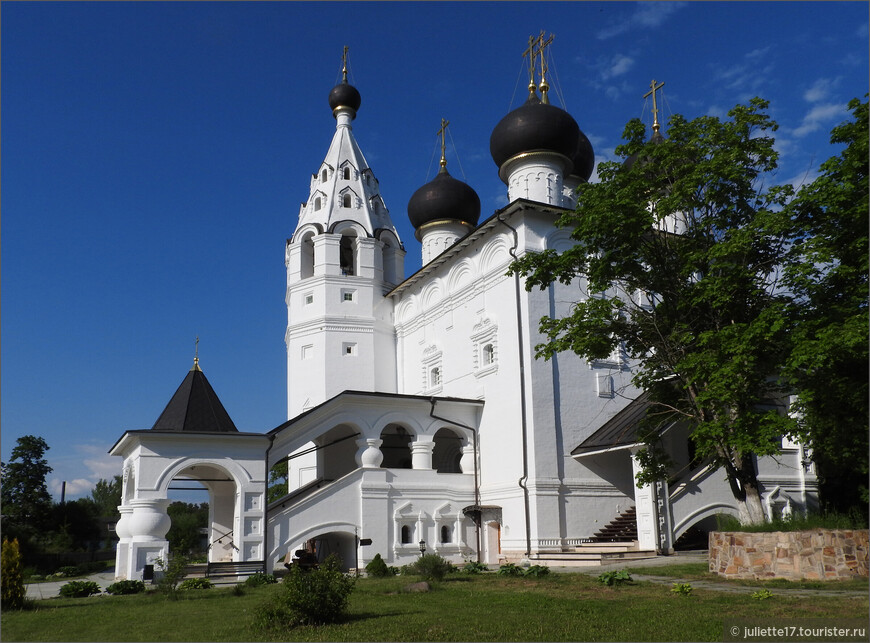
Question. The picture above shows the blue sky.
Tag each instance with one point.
(154, 156)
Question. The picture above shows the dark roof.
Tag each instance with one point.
(195, 407)
(345, 95)
(618, 431)
(444, 198)
(534, 126)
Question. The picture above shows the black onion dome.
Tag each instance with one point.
(584, 158)
(534, 126)
(444, 198)
(344, 95)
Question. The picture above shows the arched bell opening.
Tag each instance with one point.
(447, 453)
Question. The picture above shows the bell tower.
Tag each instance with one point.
(344, 255)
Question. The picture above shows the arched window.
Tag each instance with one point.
(447, 451)
(347, 174)
(396, 447)
(345, 201)
(317, 203)
(488, 354)
(435, 377)
(446, 535)
(346, 256)
(407, 535)
(323, 175)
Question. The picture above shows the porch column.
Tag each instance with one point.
(421, 453)
(644, 501)
(466, 463)
(369, 455)
(122, 554)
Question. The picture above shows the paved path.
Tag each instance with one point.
(50, 589)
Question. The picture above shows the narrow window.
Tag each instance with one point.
(435, 377)
(347, 174)
(406, 535)
(488, 355)
(317, 203)
(323, 175)
(345, 201)
(445, 534)
(309, 299)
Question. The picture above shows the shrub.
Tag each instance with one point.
(308, 597)
(255, 580)
(473, 567)
(431, 567)
(377, 568)
(195, 583)
(683, 589)
(614, 578)
(173, 573)
(79, 589)
(762, 594)
(126, 587)
(68, 571)
(11, 578)
(536, 571)
(510, 569)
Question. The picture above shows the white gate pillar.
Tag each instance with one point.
(644, 501)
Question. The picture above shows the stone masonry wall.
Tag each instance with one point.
(819, 554)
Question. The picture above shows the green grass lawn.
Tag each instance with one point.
(488, 607)
(700, 571)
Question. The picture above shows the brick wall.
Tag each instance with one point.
(818, 554)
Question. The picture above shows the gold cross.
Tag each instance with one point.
(655, 110)
(196, 354)
(344, 65)
(530, 52)
(542, 44)
(441, 132)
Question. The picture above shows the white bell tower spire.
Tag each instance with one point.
(343, 256)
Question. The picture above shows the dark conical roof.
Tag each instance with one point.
(444, 198)
(195, 407)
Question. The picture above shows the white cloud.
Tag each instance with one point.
(757, 53)
(646, 14)
(81, 468)
(820, 90)
(616, 66)
(818, 116)
(804, 178)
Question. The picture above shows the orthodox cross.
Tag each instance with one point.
(655, 110)
(536, 49)
(196, 355)
(344, 65)
(530, 53)
(441, 133)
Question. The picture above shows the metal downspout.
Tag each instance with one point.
(432, 401)
(523, 481)
(266, 507)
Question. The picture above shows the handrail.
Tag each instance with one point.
(684, 485)
(229, 533)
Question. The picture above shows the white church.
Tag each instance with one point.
(419, 418)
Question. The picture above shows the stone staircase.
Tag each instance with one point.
(623, 528)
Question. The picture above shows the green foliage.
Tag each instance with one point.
(311, 597)
(510, 569)
(172, 573)
(474, 567)
(431, 567)
(762, 594)
(377, 568)
(676, 257)
(854, 519)
(828, 272)
(126, 587)
(683, 589)
(25, 498)
(277, 481)
(255, 580)
(536, 571)
(11, 578)
(614, 577)
(106, 496)
(68, 571)
(79, 589)
(195, 583)
(187, 520)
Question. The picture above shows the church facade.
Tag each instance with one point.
(418, 416)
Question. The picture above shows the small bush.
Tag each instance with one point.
(255, 580)
(126, 587)
(377, 568)
(174, 572)
(432, 567)
(762, 594)
(195, 583)
(614, 578)
(309, 597)
(68, 572)
(12, 581)
(473, 567)
(536, 571)
(239, 590)
(510, 569)
(683, 589)
(79, 589)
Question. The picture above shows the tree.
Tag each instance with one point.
(187, 521)
(25, 497)
(827, 272)
(676, 257)
(107, 496)
(278, 481)
(13, 592)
